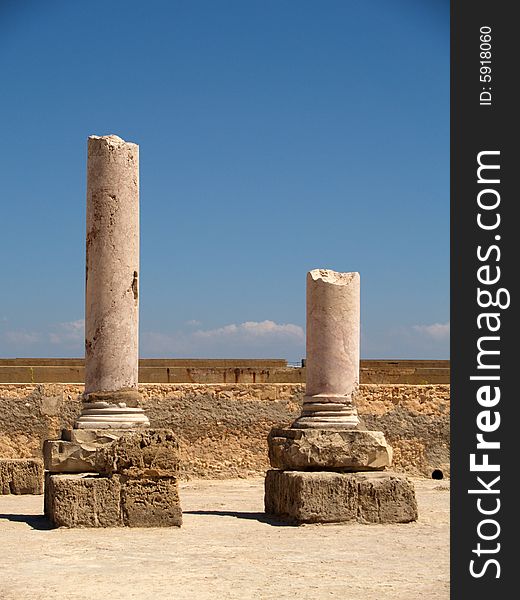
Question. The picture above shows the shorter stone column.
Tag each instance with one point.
(332, 362)
(326, 468)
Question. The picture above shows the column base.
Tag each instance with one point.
(325, 497)
(111, 417)
(327, 411)
(328, 450)
(112, 410)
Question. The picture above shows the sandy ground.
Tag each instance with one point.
(226, 549)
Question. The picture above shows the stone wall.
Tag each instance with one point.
(223, 427)
(203, 370)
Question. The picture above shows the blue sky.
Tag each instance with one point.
(275, 137)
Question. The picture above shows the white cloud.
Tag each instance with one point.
(68, 335)
(249, 339)
(156, 343)
(253, 329)
(68, 332)
(437, 331)
(194, 323)
(22, 338)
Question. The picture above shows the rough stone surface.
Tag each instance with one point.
(68, 457)
(21, 476)
(325, 497)
(77, 451)
(91, 500)
(332, 363)
(349, 450)
(83, 500)
(143, 453)
(222, 428)
(94, 437)
(151, 503)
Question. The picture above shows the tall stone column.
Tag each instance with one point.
(112, 470)
(326, 468)
(111, 397)
(332, 360)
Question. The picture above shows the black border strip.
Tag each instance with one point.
(478, 127)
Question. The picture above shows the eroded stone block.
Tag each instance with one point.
(138, 453)
(326, 497)
(330, 450)
(141, 453)
(98, 437)
(151, 503)
(69, 457)
(21, 476)
(85, 500)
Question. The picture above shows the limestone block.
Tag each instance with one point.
(85, 500)
(21, 476)
(325, 497)
(141, 453)
(98, 437)
(151, 503)
(76, 452)
(330, 450)
(91, 500)
(46, 498)
(68, 457)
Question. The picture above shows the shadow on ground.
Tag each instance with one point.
(39, 522)
(252, 516)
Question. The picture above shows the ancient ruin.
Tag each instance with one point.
(327, 468)
(111, 469)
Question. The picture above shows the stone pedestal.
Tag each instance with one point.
(328, 497)
(120, 478)
(328, 450)
(90, 500)
(329, 469)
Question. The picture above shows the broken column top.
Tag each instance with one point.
(111, 140)
(110, 137)
(329, 276)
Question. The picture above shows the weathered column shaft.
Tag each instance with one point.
(332, 361)
(111, 297)
(323, 466)
(112, 284)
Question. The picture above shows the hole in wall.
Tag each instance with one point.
(437, 474)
